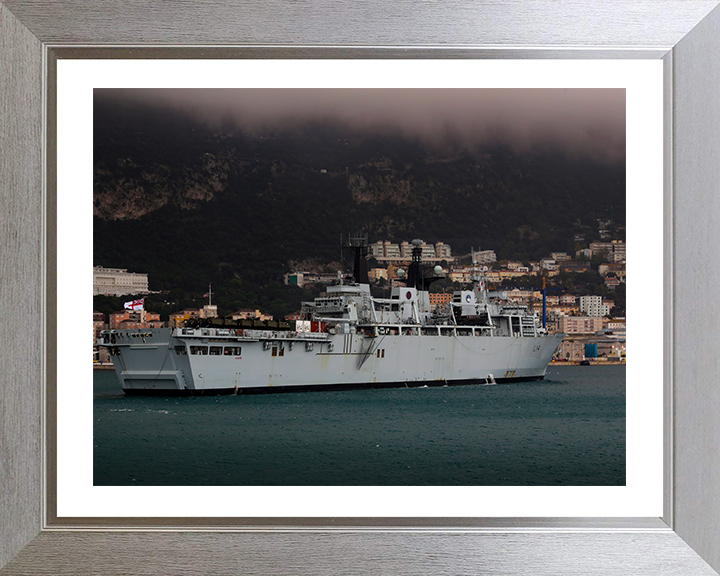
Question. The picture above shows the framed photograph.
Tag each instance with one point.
(319, 531)
(465, 437)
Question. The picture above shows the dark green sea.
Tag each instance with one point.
(567, 430)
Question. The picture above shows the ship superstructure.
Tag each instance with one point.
(345, 339)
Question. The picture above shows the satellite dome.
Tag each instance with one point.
(400, 273)
(416, 242)
(437, 270)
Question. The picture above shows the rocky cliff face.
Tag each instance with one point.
(131, 190)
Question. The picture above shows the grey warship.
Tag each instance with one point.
(344, 340)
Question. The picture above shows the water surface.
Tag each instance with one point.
(568, 429)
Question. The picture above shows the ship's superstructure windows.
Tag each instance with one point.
(201, 350)
(233, 351)
(181, 350)
(216, 350)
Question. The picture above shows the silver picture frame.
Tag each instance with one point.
(684, 34)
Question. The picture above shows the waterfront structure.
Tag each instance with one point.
(571, 350)
(118, 282)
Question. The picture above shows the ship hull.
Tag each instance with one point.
(209, 361)
(320, 387)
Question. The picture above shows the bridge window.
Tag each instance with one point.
(201, 350)
(233, 351)
(216, 350)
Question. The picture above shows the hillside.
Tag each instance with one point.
(191, 204)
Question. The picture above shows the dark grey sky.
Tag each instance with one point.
(579, 121)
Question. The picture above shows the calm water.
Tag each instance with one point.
(566, 430)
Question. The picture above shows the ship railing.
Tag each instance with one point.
(250, 334)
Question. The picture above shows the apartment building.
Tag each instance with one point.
(118, 282)
(593, 306)
(439, 298)
(484, 256)
(375, 274)
(579, 324)
(601, 248)
(619, 250)
(614, 250)
(384, 251)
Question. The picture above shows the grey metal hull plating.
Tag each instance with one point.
(163, 362)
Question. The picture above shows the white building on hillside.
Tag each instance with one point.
(118, 282)
(593, 306)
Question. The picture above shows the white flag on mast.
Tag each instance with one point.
(135, 304)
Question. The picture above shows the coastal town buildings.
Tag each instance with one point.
(249, 314)
(178, 318)
(128, 319)
(580, 317)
